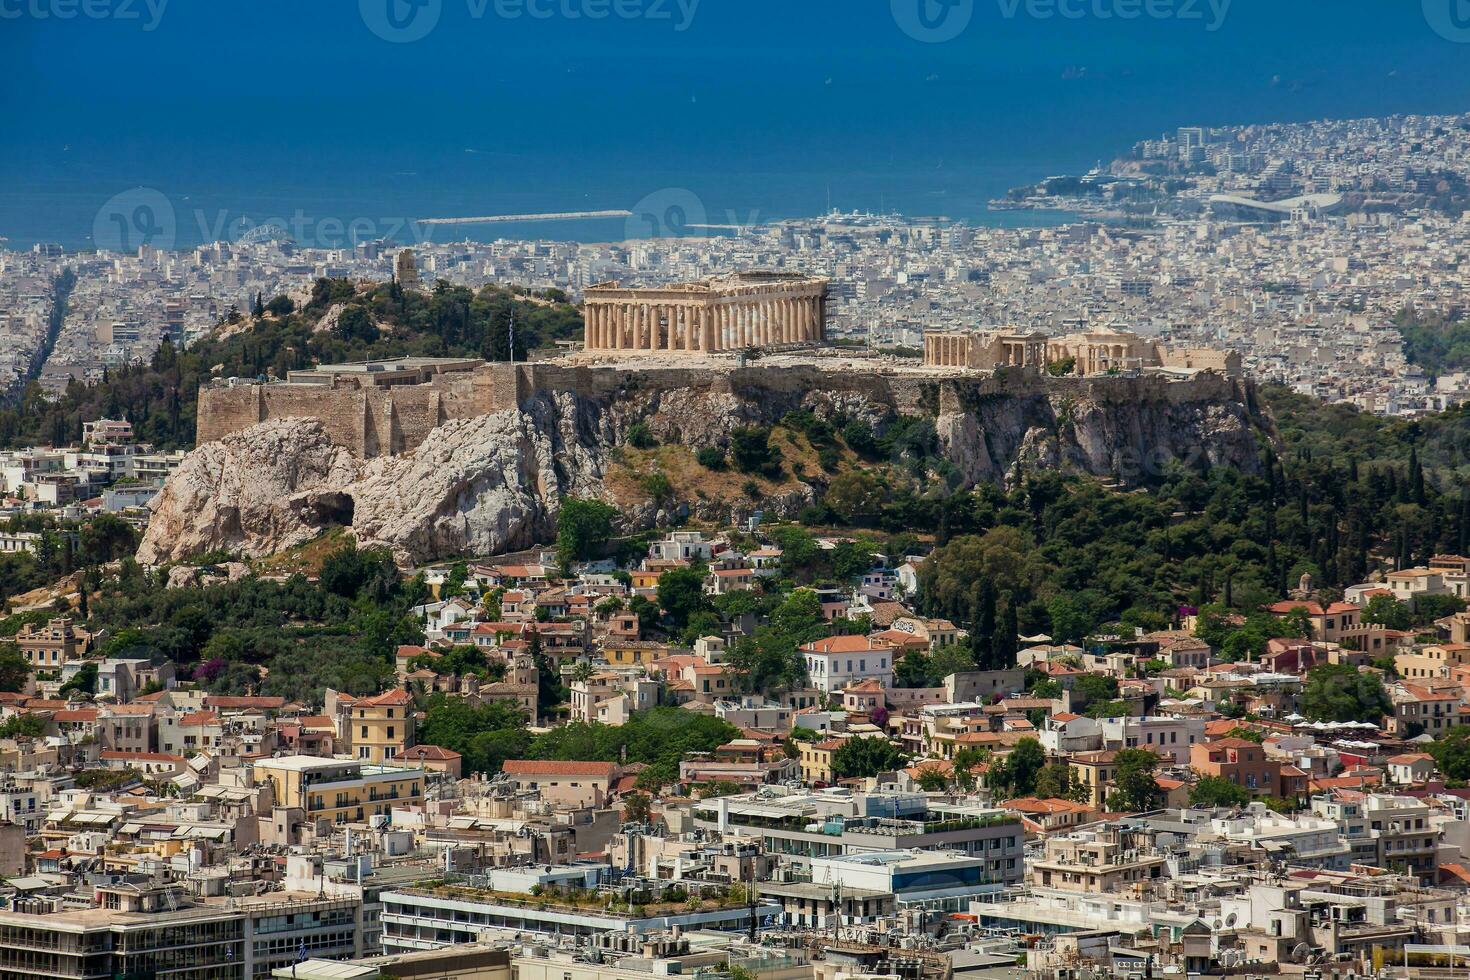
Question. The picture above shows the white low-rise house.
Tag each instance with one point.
(1166, 735)
(837, 662)
(1411, 582)
(754, 712)
(712, 648)
(1410, 768)
(1064, 733)
(1304, 839)
(681, 546)
(908, 575)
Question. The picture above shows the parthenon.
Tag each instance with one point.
(722, 313)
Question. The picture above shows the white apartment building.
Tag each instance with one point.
(837, 662)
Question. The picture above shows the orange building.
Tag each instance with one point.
(1239, 760)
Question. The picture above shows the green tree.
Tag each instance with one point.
(1054, 782)
(751, 451)
(84, 681)
(106, 538)
(1385, 610)
(861, 757)
(799, 617)
(1212, 791)
(1017, 773)
(1094, 688)
(932, 780)
(350, 572)
(484, 735)
(659, 737)
(1451, 753)
(14, 669)
(1340, 692)
(637, 808)
(1070, 619)
(1136, 788)
(767, 660)
(681, 594)
(951, 659)
(639, 436)
(23, 726)
(583, 529)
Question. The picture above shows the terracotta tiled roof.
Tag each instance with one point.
(429, 753)
(845, 644)
(397, 696)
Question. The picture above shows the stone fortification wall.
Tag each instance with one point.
(385, 421)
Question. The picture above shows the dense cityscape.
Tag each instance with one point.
(1080, 594)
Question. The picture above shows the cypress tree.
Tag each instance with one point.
(1004, 647)
(982, 623)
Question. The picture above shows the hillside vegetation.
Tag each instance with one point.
(370, 321)
(1436, 343)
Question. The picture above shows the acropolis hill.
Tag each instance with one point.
(755, 335)
(440, 457)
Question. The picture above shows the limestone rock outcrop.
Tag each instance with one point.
(491, 483)
(256, 493)
(480, 486)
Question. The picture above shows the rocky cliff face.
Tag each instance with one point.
(264, 490)
(494, 483)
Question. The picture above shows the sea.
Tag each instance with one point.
(177, 122)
